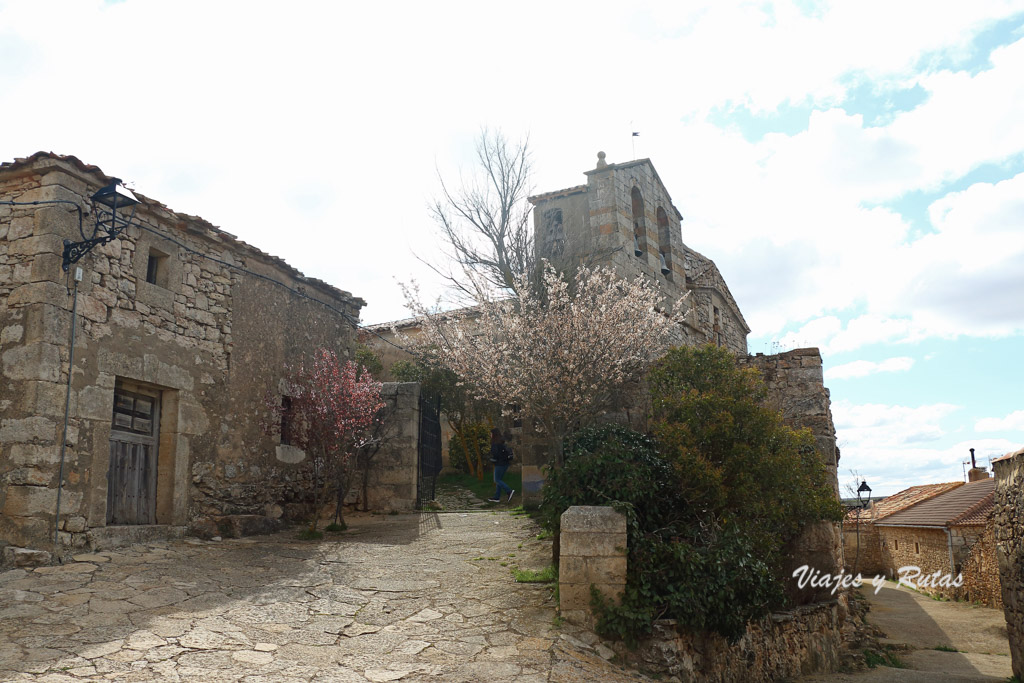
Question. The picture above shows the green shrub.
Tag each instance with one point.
(710, 502)
(479, 433)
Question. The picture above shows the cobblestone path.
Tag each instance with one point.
(419, 597)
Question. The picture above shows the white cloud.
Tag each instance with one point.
(1012, 422)
(863, 368)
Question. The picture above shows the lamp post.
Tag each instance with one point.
(108, 226)
(862, 489)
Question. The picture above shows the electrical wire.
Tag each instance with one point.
(348, 318)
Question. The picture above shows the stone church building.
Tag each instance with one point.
(180, 331)
(623, 217)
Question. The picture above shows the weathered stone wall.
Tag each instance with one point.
(393, 471)
(1008, 524)
(782, 646)
(920, 547)
(207, 339)
(980, 569)
(796, 388)
(868, 560)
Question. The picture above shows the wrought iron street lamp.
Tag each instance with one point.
(864, 488)
(109, 224)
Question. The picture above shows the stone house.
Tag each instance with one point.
(180, 329)
(863, 548)
(937, 535)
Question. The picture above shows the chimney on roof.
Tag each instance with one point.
(976, 473)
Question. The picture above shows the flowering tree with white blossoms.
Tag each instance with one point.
(561, 350)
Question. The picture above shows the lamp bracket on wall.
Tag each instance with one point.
(108, 225)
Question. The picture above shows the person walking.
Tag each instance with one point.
(501, 456)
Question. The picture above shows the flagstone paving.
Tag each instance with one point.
(418, 597)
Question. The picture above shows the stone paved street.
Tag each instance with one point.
(407, 597)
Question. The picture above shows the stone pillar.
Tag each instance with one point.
(593, 553)
(1008, 519)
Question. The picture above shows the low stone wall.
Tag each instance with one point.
(804, 640)
(781, 646)
(1008, 520)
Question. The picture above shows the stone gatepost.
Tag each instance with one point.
(593, 553)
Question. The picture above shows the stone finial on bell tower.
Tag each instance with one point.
(601, 163)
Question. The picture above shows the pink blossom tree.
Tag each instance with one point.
(561, 350)
(330, 411)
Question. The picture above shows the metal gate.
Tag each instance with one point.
(429, 450)
(131, 477)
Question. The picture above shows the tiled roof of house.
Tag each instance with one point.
(557, 193)
(943, 509)
(977, 513)
(902, 500)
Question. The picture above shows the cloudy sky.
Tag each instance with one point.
(856, 169)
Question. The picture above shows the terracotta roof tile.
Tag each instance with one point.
(977, 513)
(944, 508)
(904, 499)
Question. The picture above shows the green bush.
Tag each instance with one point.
(710, 502)
(478, 432)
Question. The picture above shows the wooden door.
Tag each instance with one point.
(131, 477)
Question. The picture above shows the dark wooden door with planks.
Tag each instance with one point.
(131, 478)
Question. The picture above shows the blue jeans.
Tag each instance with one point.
(501, 487)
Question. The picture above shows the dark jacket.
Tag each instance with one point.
(500, 454)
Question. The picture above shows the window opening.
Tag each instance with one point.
(554, 232)
(287, 421)
(156, 268)
(639, 226)
(664, 242)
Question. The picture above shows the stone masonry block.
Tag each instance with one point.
(20, 228)
(31, 501)
(57, 220)
(48, 323)
(593, 519)
(95, 403)
(31, 454)
(38, 293)
(25, 557)
(45, 398)
(27, 430)
(46, 267)
(33, 361)
(11, 334)
(588, 570)
(29, 476)
(37, 244)
(573, 596)
(592, 545)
